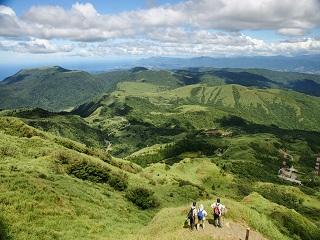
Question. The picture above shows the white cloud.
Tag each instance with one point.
(83, 23)
(241, 46)
(292, 31)
(253, 14)
(180, 35)
(175, 42)
(6, 11)
(87, 10)
(36, 46)
(193, 27)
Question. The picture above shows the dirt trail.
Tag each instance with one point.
(230, 231)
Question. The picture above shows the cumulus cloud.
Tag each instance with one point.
(36, 46)
(181, 43)
(6, 11)
(252, 14)
(193, 27)
(236, 45)
(83, 23)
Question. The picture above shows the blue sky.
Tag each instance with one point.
(53, 30)
(104, 6)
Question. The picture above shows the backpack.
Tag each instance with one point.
(216, 210)
(200, 215)
(190, 214)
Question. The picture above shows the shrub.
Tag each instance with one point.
(311, 183)
(94, 172)
(183, 182)
(42, 175)
(7, 151)
(244, 189)
(118, 181)
(252, 171)
(142, 197)
(284, 198)
(296, 225)
(62, 157)
(3, 231)
(85, 169)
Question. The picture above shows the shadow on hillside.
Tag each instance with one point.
(288, 135)
(245, 79)
(32, 113)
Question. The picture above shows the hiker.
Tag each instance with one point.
(217, 209)
(192, 215)
(202, 214)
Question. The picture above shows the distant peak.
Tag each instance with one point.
(47, 68)
(61, 69)
(24, 73)
(139, 69)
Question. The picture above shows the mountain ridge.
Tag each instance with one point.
(301, 63)
(56, 88)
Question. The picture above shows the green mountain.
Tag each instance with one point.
(302, 63)
(128, 162)
(56, 88)
(50, 88)
(142, 114)
(70, 191)
(261, 78)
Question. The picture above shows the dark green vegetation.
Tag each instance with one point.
(121, 164)
(142, 197)
(61, 124)
(51, 88)
(56, 88)
(3, 230)
(261, 78)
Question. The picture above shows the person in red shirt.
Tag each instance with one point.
(217, 209)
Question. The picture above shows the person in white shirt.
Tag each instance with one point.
(201, 215)
(217, 209)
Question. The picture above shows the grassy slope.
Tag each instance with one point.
(284, 109)
(138, 115)
(39, 200)
(61, 124)
(262, 78)
(48, 203)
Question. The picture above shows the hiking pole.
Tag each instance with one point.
(247, 233)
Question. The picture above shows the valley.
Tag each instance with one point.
(123, 154)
